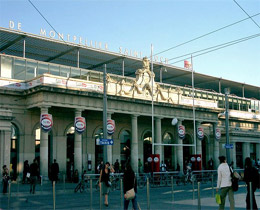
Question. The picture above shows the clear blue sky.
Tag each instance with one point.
(136, 24)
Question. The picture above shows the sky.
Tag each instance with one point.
(136, 25)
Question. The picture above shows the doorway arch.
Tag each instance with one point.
(168, 150)
(147, 145)
(70, 152)
(187, 150)
(125, 147)
(14, 151)
(98, 148)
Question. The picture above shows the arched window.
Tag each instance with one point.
(147, 141)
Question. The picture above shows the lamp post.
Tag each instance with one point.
(105, 112)
(227, 92)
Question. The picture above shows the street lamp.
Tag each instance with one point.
(227, 92)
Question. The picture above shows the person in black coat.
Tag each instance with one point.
(250, 175)
(54, 171)
(5, 177)
(129, 181)
(35, 173)
(26, 169)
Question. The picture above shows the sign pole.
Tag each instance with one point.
(105, 112)
(227, 91)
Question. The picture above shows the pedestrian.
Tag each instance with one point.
(34, 175)
(104, 181)
(139, 165)
(5, 177)
(26, 171)
(225, 184)
(250, 175)
(129, 182)
(116, 166)
(55, 171)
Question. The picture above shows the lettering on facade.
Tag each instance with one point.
(85, 42)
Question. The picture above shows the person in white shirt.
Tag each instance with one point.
(224, 183)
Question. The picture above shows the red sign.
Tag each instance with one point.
(181, 131)
(46, 122)
(80, 124)
(200, 133)
(111, 127)
(217, 134)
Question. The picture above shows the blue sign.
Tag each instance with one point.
(229, 146)
(105, 142)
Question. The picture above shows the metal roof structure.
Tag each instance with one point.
(66, 53)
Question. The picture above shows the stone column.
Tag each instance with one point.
(179, 149)
(134, 143)
(215, 147)
(246, 150)
(158, 137)
(109, 147)
(44, 148)
(5, 148)
(78, 147)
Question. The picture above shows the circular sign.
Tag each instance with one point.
(110, 127)
(193, 159)
(80, 124)
(217, 134)
(181, 131)
(46, 122)
(198, 159)
(200, 133)
(150, 159)
(156, 159)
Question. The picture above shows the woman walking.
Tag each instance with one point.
(104, 179)
(129, 182)
(5, 177)
(250, 175)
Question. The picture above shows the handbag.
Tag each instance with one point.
(130, 194)
(234, 181)
(218, 199)
(28, 175)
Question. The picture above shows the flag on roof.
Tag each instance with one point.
(187, 64)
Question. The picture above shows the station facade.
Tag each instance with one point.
(31, 86)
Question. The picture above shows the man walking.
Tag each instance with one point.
(54, 171)
(225, 184)
(34, 171)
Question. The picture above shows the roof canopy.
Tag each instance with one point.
(57, 51)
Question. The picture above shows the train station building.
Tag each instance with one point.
(43, 76)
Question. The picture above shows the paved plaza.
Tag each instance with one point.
(160, 198)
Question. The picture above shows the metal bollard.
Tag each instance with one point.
(199, 204)
(148, 194)
(100, 196)
(121, 193)
(9, 193)
(251, 195)
(90, 183)
(193, 190)
(54, 195)
(172, 190)
(212, 186)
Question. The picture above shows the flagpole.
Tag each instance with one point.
(193, 109)
(152, 99)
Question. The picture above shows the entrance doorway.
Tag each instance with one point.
(147, 143)
(14, 152)
(168, 151)
(187, 150)
(125, 148)
(98, 148)
(70, 153)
